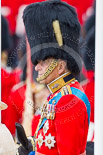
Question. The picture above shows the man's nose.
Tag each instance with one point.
(37, 67)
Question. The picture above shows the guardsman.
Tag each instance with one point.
(53, 29)
(89, 61)
(7, 145)
(9, 77)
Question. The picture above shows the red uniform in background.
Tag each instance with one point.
(8, 80)
(81, 7)
(88, 87)
(13, 10)
(15, 106)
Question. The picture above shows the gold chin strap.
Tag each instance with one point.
(57, 31)
(51, 67)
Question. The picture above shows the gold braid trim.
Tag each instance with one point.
(32, 142)
(51, 67)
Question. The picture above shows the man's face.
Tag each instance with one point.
(41, 68)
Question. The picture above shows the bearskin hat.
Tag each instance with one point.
(5, 35)
(38, 20)
(89, 51)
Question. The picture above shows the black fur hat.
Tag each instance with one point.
(5, 35)
(38, 19)
(89, 52)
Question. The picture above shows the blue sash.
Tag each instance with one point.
(84, 98)
(32, 153)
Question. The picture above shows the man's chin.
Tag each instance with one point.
(42, 82)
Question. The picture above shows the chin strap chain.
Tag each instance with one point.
(51, 67)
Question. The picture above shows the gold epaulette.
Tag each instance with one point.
(66, 90)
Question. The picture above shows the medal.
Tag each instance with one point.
(46, 127)
(49, 141)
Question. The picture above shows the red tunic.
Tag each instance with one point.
(35, 122)
(88, 87)
(8, 80)
(15, 106)
(67, 133)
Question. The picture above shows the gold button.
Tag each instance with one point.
(49, 141)
(54, 102)
(39, 141)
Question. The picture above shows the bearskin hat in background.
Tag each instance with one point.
(38, 20)
(89, 52)
(89, 55)
(5, 35)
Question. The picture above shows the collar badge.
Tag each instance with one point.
(55, 86)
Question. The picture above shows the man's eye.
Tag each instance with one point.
(43, 63)
(47, 61)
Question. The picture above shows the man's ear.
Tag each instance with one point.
(61, 67)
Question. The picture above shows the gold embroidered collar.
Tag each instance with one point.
(60, 82)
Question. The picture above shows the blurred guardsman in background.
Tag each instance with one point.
(53, 29)
(7, 145)
(8, 77)
(88, 53)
